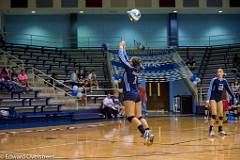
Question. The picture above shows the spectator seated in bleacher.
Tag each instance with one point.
(190, 62)
(73, 79)
(4, 74)
(13, 74)
(73, 76)
(78, 78)
(92, 77)
(109, 108)
(4, 77)
(81, 77)
(23, 78)
(81, 74)
(8, 79)
(236, 89)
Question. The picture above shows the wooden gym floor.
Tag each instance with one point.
(181, 138)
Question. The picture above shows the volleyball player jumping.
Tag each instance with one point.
(215, 96)
(132, 101)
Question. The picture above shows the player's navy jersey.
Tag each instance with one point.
(130, 76)
(217, 88)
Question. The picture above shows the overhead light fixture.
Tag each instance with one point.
(81, 12)
(220, 11)
(33, 12)
(175, 11)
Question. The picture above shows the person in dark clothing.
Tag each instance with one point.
(217, 87)
(4, 74)
(190, 62)
(13, 74)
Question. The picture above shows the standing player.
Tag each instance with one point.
(215, 96)
(132, 101)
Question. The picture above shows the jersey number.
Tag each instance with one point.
(135, 80)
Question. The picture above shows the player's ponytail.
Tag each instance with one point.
(136, 62)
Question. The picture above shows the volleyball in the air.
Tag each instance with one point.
(134, 15)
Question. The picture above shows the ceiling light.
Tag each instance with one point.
(33, 12)
(81, 12)
(175, 11)
(220, 11)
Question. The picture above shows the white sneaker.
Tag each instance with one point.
(211, 133)
(148, 137)
(222, 133)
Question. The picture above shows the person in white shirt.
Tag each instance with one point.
(109, 107)
(73, 76)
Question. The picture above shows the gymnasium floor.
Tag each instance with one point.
(180, 138)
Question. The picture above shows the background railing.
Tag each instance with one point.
(112, 41)
(38, 75)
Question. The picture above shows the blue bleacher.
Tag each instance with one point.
(19, 92)
(13, 113)
(75, 115)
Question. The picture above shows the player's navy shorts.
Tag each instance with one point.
(131, 96)
(216, 97)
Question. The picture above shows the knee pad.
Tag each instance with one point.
(214, 117)
(140, 118)
(220, 118)
(130, 118)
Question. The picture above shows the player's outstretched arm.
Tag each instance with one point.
(123, 55)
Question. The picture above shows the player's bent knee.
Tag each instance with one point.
(130, 118)
(220, 118)
(214, 117)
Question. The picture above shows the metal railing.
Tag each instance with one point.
(201, 67)
(36, 73)
(112, 41)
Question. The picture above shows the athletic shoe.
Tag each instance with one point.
(211, 133)
(148, 137)
(151, 138)
(222, 133)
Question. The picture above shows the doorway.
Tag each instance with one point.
(157, 96)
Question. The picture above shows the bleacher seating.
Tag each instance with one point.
(62, 62)
(40, 102)
(208, 60)
(14, 104)
(198, 53)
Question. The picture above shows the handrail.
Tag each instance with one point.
(35, 75)
(91, 40)
(58, 82)
(202, 61)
